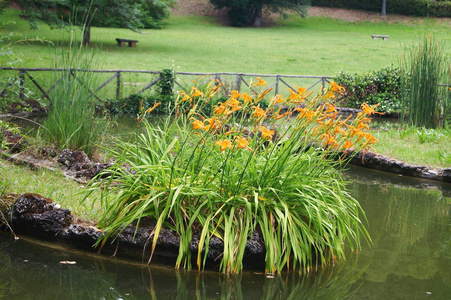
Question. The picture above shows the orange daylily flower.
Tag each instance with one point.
(246, 98)
(224, 144)
(330, 95)
(301, 90)
(197, 124)
(266, 133)
(369, 110)
(215, 88)
(185, 96)
(235, 94)
(153, 107)
(329, 140)
(331, 108)
(213, 124)
(260, 81)
(363, 125)
(259, 112)
(348, 144)
(305, 113)
(234, 109)
(338, 129)
(278, 117)
(334, 87)
(233, 102)
(263, 94)
(277, 99)
(195, 92)
(293, 95)
(298, 97)
(219, 109)
(242, 142)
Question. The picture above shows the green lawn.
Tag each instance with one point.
(51, 184)
(311, 46)
(406, 145)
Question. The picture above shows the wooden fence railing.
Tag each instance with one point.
(115, 78)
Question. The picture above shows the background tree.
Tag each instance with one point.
(3, 5)
(132, 14)
(249, 12)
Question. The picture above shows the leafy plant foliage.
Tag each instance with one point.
(382, 86)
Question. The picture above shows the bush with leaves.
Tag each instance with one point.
(135, 103)
(382, 86)
(406, 7)
(249, 12)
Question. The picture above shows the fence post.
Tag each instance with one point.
(118, 85)
(238, 83)
(22, 84)
(277, 84)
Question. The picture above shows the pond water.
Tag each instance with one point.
(410, 258)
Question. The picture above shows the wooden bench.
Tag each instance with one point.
(384, 37)
(131, 43)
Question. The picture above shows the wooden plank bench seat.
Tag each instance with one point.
(121, 42)
(376, 36)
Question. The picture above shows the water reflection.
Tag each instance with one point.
(31, 271)
(410, 228)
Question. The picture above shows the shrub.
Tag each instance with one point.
(234, 172)
(424, 67)
(404, 7)
(440, 9)
(382, 86)
(134, 103)
(128, 105)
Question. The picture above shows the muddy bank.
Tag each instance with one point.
(378, 162)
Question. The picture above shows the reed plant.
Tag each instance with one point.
(423, 70)
(239, 170)
(71, 120)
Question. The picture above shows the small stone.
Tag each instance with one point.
(68, 262)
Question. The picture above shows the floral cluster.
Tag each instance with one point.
(242, 122)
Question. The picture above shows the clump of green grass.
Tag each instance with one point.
(71, 119)
(423, 68)
(228, 174)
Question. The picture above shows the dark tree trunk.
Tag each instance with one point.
(87, 36)
(257, 21)
(384, 8)
(87, 29)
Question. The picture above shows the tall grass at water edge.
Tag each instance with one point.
(229, 174)
(424, 67)
(71, 121)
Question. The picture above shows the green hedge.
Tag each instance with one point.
(406, 7)
(382, 86)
